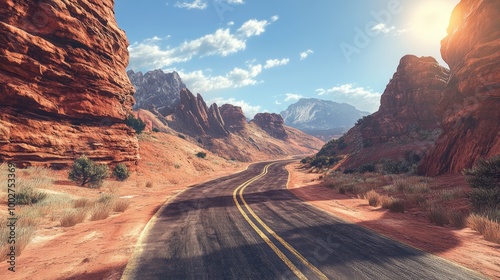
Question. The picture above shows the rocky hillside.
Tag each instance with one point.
(471, 104)
(407, 122)
(156, 91)
(64, 89)
(272, 124)
(322, 118)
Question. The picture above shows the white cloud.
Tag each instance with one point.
(149, 54)
(362, 98)
(200, 81)
(196, 4)
(248, 109)
(292, 97)
(274, 18)
(276, 62)
(382, 28)
(231, 23)
(304, 55)
(277, 102)
(235, 2)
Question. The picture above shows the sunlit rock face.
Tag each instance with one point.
(470, 108)
(64, 90)
(273, 124)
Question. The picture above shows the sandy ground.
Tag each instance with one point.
(462, 246)
(100, 249)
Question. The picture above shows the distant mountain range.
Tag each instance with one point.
(322, 118)
(156, 91)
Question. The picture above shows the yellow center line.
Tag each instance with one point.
(239, 190)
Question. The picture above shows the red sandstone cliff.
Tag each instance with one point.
(64, 90)
(471, 105)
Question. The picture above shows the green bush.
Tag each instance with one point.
(368, 167)
(121, 172)
(84, 171)
(396, 167)
(201, 154)
(485, 174)
(182, 136)
(324, 161)
(155, 129)
(136, 123)
(485, 199)
(27, 195)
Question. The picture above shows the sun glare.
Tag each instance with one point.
(430, 20)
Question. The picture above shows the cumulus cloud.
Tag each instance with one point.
(248, 109)
(202, 81)
(292, 97)
(235, 2)
(149, 53)
(276, 62)
(196, 4)
(304, 55)
(360, 97)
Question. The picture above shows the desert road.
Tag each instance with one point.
(249, 226)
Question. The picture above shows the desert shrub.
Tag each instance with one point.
(121, 205)
(201, 154)
(457, 219)
(485, 174)
(27, 195)
(81, 203)
(324, 161)
(72, 218)
(373, 198)
(155, 129)
(415, 198)
(484, 199)
(438, 216)
(368, 167)
(136, 123)
(306, 160)
(396, 167)
(393, 204)
(349, 171)
(84, 171)
(488, 228)
(121, 172)
(341, 144)
(181, 136)
(101, 211)
(105, 198)
(149, 185)
(25, 231)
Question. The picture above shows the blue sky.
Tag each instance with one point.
(265, 55)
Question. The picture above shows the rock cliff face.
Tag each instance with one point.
(197, 117)
(407, 120)
(156, 91)
(63, 90)
(233, 117)
(321, 118)
(272, 124)
(471, 105)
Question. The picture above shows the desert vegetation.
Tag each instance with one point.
(86, 172)
(136, 123)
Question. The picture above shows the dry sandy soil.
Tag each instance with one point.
(462, 246)
(100, 249)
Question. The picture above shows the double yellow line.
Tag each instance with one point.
(238, 192)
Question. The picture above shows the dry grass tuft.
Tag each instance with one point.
(121, 205)
(72, 218)
(438, 216)
(488, 228)
(395, 205)
(374, 198)
(101, 211)
(82, 203)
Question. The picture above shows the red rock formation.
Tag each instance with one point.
(64, 90)
(471, 105)
(273, 124)
(198, 118)
(233, 117)
(407, 121)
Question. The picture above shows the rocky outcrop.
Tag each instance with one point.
(233, 117)
(198, 118)
(64, 90)
(271, 123)
(471, 105)
(407, 122)
(321, 118)
(156, 91)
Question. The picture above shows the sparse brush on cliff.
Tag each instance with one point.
(121, 172)
(136, 123)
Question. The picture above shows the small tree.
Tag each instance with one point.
(121, 172)
(201, 154)
(84, 171)
(484, 178)
(136, 123)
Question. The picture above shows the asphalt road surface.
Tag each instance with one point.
(248, 226)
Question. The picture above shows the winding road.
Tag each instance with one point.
(249, 226)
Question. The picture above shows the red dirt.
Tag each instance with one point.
(465, 247)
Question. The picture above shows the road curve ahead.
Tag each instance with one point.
(248, 226)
